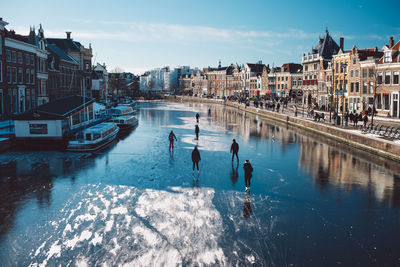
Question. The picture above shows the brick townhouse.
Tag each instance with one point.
(24, 75)
(388, 87)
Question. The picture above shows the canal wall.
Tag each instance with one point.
(354, 138)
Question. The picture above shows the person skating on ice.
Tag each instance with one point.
(235, 150)
(171, 138)
(248, 170)
(196, 158)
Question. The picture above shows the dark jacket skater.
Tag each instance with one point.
(171, 138)
(196, 157)
(248, 170)
(197, 117)
(197, 130)
(235, 150)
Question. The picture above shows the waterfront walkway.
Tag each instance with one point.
(372, 141)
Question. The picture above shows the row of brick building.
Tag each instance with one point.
(35, 70)
(329, 76)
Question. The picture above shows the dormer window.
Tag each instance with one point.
(388, 57)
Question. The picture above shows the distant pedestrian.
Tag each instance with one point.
(196, 158)
(278, 107)
(235, 150)
(365, 120)
(295, 111)
(171, 138)
(248, 170)
(197, 117)
(196, 131)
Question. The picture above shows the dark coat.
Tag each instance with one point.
(197, 129)
(235, 147)
(248, 169)
(172, 136)
(196, 155)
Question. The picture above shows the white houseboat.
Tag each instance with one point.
(56, 121)
(125, 123)
(93, 138)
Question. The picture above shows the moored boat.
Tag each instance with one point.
(121, 111)
(127, 101)
(125, 122)
(94, 138)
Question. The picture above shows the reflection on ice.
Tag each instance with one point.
(123, 225)
(209, 142)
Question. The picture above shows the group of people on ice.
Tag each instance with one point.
(248, 169)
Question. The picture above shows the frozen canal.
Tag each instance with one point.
(312, 203)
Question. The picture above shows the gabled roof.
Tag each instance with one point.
(395, 53)
(56, 110)
(60, 53)
(67, 45)
(327, 47)
(256, 67)
(291, 68)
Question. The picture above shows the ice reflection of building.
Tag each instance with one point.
(247, 126)
(330, 165)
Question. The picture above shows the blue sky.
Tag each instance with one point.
(140, 35)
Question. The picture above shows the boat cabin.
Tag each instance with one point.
(122, 110)
(56, 120)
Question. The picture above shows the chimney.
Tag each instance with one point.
(341, 43)
(391, 42)
(68, 35)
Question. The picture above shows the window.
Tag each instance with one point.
(1, 71)
(364, 73)
(379, 76)
(14, 56)
(387, 77)
(364, 87)
(357, 73)
(351, 87)
(386, 101)
(337, 66)
(315, 66)
(371, 73)
(9, 77)
(286, 78)
(19, 58)
(14, 75)
(395, 77)
(27, 99)
(306, 68)
(388, 56)
(32, 61)
(28, 76)
(352, 73)
(357, 87)
(371, 87)
(32, 76)
(293, 82)
(20, 75)
(354, 60)
(27, 59)
(379, 101)
(8, 55)
(76, 119)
